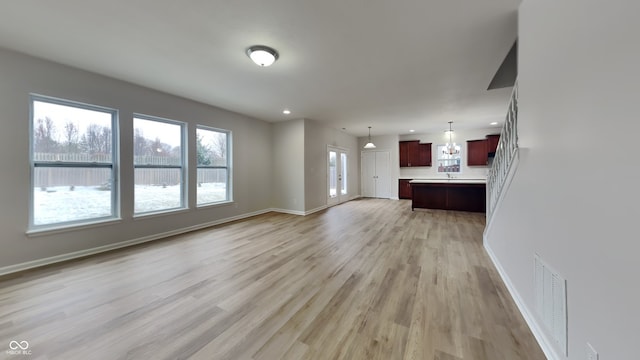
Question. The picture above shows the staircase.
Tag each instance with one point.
(506, 157)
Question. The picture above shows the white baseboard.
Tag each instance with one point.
(83, 253)
(309, 212)
(287, 211)
(299, 212)
(540, 336)
(319, 208)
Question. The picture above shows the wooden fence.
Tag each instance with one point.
(45, 177)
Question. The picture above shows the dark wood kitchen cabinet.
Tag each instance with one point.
(477, 154)
(492, 143)
(414, 153)
(449, 196)
(404, 189)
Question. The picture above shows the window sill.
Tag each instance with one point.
(51, 230)
(159, 213)
(215, 204)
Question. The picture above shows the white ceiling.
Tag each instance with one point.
(394, 65)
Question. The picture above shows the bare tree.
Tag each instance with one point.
(96, 140)
(89, 140)
(71, 137)
(159, 148)
(105, 140)
(219, 148)
(140, 143)
(44, 136)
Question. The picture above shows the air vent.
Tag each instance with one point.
(551, 301)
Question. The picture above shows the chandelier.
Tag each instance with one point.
(451, 148)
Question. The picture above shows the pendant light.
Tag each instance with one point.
(451, 148)
(370, 145)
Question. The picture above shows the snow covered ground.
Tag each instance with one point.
(61, 203)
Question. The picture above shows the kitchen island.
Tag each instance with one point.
(449, 194)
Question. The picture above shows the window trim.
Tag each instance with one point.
(184, 203)
(228, 167)
(113, 165)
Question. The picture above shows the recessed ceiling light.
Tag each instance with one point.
(494, 123)
(412, 131)
(262, 55)
(286, 111)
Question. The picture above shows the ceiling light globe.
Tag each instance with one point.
(262, 55)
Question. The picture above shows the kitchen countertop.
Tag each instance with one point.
(445, 181)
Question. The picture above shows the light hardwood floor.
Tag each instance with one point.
(368, 279)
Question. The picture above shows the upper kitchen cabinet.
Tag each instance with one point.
(492, 143)
(477, 154)
(413, 153)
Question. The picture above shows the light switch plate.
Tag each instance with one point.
(592, 354)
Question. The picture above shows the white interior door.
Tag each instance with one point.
(337, 165)
(376, 175)
(383, 174)
(368, 173)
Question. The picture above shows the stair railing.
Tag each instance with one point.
(506, 154)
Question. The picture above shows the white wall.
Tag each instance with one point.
(268, 160)
(288, 162)
(316, 138)
(460, 137)
(574, 200)
(21, 75)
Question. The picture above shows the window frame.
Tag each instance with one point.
(228, 167)
(184, 204)
(114, 165)
(453, 163)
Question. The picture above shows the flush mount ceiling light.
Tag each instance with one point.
(370, 145)
(493, 123)
(286, 111)
(451, 148)
(262, 55)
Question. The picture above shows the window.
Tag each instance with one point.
(73, 163)
(343, 163)
(449, 161)
(213, 154)
(158, 159)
